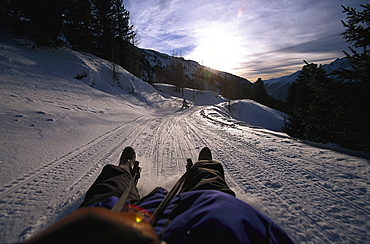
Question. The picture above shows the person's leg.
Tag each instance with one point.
(112, 181)
(206, 175)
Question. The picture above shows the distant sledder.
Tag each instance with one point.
(185, 104)
(200, 208)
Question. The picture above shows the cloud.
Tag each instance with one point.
(248, 38)
(284, 61)
(274, 64)
(328, 44)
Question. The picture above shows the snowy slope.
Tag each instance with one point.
(155, 66)
(58, 132)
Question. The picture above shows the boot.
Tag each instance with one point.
(205, 154)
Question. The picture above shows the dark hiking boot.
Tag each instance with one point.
(128, 157)
(205, 154)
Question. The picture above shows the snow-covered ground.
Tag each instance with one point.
(58, 132)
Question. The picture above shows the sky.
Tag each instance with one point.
(249, 38)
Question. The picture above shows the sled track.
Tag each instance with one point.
(287, 188)
(168, 147)
(302, 189)
(32, 199)
(270, 196)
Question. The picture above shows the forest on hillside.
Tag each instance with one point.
(100, 27)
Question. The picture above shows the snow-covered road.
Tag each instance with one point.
(311, 192)
(57, 133)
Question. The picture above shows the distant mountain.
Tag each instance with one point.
(278, 87)
(156, 67)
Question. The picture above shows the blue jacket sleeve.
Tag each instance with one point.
(209, 217)
(216, 217)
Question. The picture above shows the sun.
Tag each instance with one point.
(218, 49)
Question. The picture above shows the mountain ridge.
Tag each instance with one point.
(278, 87)
(156, 67)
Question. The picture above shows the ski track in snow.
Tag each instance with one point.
(316, 195)
(282, 185)
(289, 189)
(37, 197)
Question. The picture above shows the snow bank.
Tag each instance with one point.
(247, 113)
(258, 115)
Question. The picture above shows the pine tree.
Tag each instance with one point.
(38, 19)
(355, 105)
(13, 15)
(46, 17)
(336, 108)
(180, 76)
(115, 32)
(80, 25)
(312, 101)
(259, 92)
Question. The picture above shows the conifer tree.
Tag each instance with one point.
(80, 25)
(180, 76)
(356, 100)
(311, 102)
(259, 92)
(336, 108)
(39, 19)
(115, 31)
(46, 18)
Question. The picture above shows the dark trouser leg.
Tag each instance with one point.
(206, 175)
(112, 181)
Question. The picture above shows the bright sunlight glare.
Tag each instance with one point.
(218, 49)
